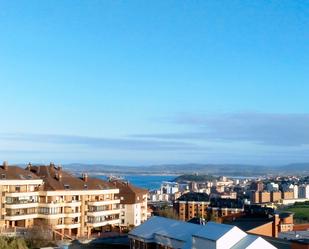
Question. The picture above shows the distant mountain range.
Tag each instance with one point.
(214, 169)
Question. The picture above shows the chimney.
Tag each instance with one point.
(59, 175)
(5, 165)
(85, 177)
(29, 166)
(51, 165)
(276, 224)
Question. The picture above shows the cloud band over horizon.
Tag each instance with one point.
(238, 137)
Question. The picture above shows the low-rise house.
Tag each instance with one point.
(159, 232)
(261, 221)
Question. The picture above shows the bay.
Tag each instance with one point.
(146, 181)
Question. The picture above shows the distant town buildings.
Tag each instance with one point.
(72, 206)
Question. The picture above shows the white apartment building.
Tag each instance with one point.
(272, 187)
(169, 188)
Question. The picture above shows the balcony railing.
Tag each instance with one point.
(21, 202)
(20, 213)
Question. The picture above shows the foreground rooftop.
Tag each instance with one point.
(178, 234)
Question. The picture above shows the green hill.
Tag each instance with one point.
(194, 178)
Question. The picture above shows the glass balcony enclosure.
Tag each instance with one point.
(22, 199)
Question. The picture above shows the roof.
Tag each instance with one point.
(176, 229)
(16, 173)
(226, 203)
(57, 179)
(278, 243)
(214, 231)
(193, 196)
(245, 242)
(156, 228)
(301, 241)
(248, 223)
(284, 214)
(130, 194)
(197, 220)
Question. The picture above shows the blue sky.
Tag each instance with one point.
(149, 82)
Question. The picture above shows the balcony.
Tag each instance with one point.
(19, 194)
(103, 202)
(71, 225)
(15, 202)
(22, 205)
(103, 222)
(21, 215)
(72, 215)
(102, 213)
(61, 204)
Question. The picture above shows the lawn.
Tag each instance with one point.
(301, 213)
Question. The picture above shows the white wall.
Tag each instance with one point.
(260, 243)
(168, 241)
(198, 243)
(230, 238)
(134, 214)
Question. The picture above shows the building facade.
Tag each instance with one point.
(48, 196)
(192, 205)
(133, 204)
(303, 191)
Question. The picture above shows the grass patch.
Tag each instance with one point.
(300, 210)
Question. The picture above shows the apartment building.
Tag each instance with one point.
(288, 195)
(271, 186)
(19, 200)
(273, 196)
(191, 205)
(49, 196)
(257, 186)
(133, 203)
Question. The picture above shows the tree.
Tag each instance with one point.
(12, 243)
